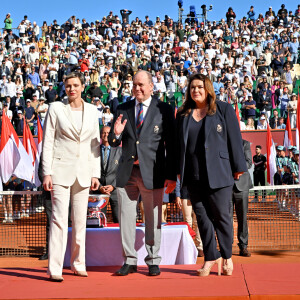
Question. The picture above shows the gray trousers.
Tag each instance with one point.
(152, 201)
(240, 201)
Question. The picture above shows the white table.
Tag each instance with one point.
(103, 246)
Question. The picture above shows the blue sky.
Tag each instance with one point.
(40, 10)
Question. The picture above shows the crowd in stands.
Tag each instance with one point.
(252, 61)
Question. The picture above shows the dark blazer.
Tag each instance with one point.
(15, 108)
(108, 175)
(223, 145)
(261, 105)
(155, 145)
(245, 183)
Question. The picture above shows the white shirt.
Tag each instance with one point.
(146, 105)
(10, 89)
(77, 117)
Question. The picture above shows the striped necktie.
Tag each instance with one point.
(139, 119)
(105, 157)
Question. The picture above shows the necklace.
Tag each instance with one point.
(201, 112)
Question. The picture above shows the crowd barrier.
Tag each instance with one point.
(273, 221)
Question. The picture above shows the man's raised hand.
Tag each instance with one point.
(119, 126)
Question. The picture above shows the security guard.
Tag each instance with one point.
(295, 166)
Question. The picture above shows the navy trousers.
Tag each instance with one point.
(212, 209)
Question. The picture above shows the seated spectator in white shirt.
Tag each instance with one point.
(262, 123)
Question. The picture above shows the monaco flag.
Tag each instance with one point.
(40, 136)
(288, 138)
(32, 151)
(271, 157)
(237, 112)
(9, 150)
(14, 159)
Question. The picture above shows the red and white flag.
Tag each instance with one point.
(9, 150)
(40, 136)
(14, 159)
(237, 112)
(271, 157)
(288, 138)
(32, 151)
(298, 123)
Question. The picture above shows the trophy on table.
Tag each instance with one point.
(95, 217)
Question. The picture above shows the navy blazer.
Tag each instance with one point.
(155, 146)
(223, 145)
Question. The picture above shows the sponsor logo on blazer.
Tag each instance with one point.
(116, 162)
(156, 129)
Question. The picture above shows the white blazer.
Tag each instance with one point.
(67, 153)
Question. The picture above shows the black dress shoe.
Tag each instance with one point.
(245, 252)
(154, 270)
(126, 269)
(44, 256)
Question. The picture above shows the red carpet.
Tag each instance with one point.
(249, 281)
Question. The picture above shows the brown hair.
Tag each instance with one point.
(189, 103)
(75, 75)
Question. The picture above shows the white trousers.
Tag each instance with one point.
(58, 234)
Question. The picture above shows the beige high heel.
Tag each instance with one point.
(227, 267)
(81, 273)
(205, 272)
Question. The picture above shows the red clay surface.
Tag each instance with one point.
(273, 276)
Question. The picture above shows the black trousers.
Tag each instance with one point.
(240, 203)
(113, 200)
(212, 209)
(259, 178)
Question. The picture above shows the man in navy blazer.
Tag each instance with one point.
(240, 196)
(145, 126)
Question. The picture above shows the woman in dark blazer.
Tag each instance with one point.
(210, 157)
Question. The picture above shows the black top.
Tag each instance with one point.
(259, 163)
(195, 167)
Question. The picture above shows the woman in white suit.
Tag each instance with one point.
(71, 165)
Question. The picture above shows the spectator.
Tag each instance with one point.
(262, 124)
(51, 94)
(249, 108)
(274, 121)
(281, 123)
(107, 117)
(8, 22)
(251, 14)
(250, 124)
(292, 110)
(34, 77)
